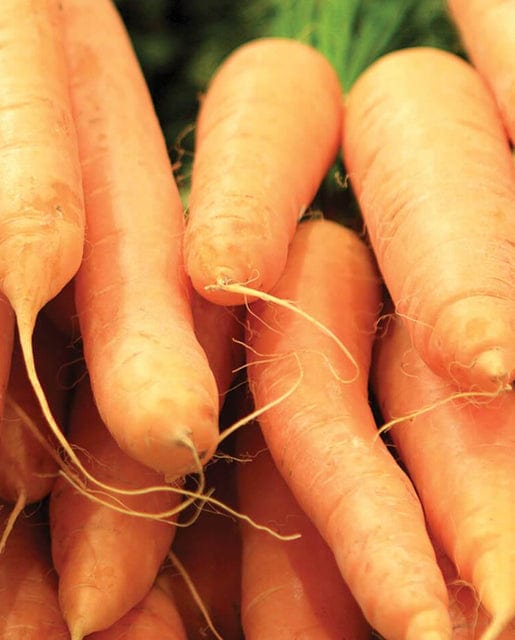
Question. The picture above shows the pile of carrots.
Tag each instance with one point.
(246, 420)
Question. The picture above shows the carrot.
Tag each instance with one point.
(460, 457)
(107, 560)
(486, 28)
(209, 552)
(290, 589)
(28, 456)
(323, 437)
(41, 201)
(266, 134)
(29, 608)
(150, 378)
(440, 220)
(155, 617)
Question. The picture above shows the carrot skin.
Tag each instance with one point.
(486, 28)
(460, 458)
(323, 437)
(150, 378)
(290, 589)
(256, 167)
(440, 220)
(155, 618)
(107, 561)
(29, 607)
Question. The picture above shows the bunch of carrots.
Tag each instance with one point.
(246, 420)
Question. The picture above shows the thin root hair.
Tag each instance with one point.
(253, 415)
(291, 306)
(489, 395)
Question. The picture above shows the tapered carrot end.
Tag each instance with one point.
(431, 624)
(76, 632)
(473, 343)
(493, 367)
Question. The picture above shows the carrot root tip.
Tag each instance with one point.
(431, 624)
(493, 367)
(76, 632)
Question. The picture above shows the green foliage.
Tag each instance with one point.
(353, 33)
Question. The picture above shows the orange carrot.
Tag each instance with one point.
(28, 456)
(440, 219)
(267, 132)
(150, 378)
(460, 457)
(323, 436)
(155, 618)
(486, 27)
(290, 589)
(209, 551)
(107, 560)
(29, 608)
(41, 202)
